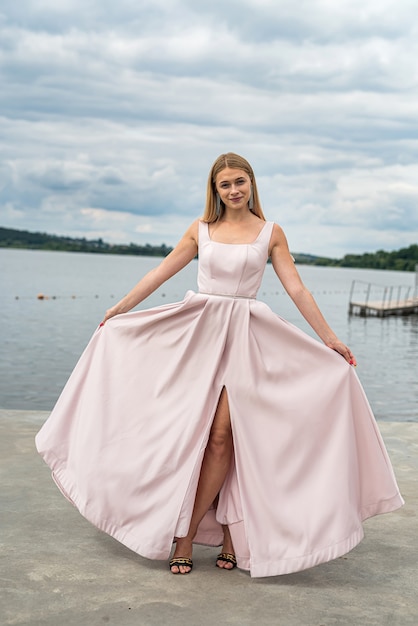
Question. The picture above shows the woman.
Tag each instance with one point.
(213, 420)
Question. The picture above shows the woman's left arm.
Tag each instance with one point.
(285, 269)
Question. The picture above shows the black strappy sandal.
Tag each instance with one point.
(226, 557)
(179, 561)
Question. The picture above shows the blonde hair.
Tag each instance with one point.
(233, 161)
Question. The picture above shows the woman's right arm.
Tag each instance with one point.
(178, 258)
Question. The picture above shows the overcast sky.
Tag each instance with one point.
(112, 113)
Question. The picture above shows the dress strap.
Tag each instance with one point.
(203, 232)
(265, 234)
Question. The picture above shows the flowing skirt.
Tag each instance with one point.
(126, 439)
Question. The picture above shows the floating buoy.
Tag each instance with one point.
(41, 296)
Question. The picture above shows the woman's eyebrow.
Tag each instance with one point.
(234, 181)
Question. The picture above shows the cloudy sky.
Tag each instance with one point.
(112, 112)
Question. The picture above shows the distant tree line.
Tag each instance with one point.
(10, 238)
(404, 259)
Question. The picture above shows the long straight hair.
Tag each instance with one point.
(233, 161)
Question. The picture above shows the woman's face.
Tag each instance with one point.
(234, 188)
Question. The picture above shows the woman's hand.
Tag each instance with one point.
(342, 349)
(109, 313)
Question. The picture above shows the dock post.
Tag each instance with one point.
(368, 293)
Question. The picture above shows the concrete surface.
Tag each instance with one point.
(58, 570)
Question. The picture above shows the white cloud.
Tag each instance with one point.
(112, 113)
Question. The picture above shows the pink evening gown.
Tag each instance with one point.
(126, 438)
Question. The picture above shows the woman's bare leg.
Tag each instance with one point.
(215, 466)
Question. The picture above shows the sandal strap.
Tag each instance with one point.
(181, 561)
(227, 557)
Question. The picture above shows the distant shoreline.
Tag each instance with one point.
(26, 240)
(403, 260)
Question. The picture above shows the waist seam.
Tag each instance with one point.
(228, 295)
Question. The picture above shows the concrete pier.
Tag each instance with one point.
(58, 570)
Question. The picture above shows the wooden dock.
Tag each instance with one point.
(379, 301)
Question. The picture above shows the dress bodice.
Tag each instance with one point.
(232, 269)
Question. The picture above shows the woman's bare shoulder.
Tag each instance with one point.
(193, 230)
(277, 234)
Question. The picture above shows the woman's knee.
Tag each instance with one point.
(220, 440)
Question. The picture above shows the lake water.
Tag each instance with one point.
(43, 339)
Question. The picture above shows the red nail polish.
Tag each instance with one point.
(101, 324)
